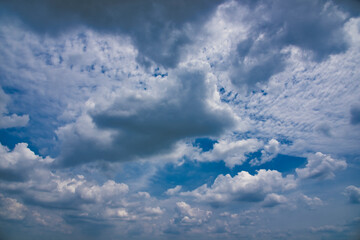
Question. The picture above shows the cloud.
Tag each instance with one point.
(244, 187)
(231, 151)
(321, 166)
(186, 215)
(142, 125)
(270, 151)
(278, 24)
(11, 209)
(159, 29)
(309, 202)
(173, 191)
(13, 120)
(353, 194)
(16, 165)
(273, 199)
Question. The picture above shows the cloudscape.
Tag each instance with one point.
(174, 119)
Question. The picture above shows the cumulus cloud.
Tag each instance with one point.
(141, 125)
(321, 166)
(273, 199)
(353, 194)
(17, 164)
(310, 202)
(244, 187)
(232, 152)
(10, 120)
(173, 191)
(270, 151)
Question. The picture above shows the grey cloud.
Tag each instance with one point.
(353, 194)
(144, 127)
(157, 28)
(310, 25)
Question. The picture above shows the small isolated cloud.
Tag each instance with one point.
(232, 152)
(353, 194)
(10, 120)
(321, 166)
(270, 151)
(244, 187)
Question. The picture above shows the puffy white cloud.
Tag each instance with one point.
(232, 152)
(244, 187)
(352, 193)
(270, 151)
(10, 120)
(11, 209)
(321, 166)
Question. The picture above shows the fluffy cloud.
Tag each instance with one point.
(353, 194)
(232, 152)
(16, 165)
(321, 166)
(141, 125)
(244, 187)
(270, 151)
(273, 199)
(13, 120)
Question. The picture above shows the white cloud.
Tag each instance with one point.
(232, 152)
(310, 202)
(352, 193)
(321, 166)
(270, 151)
(173, 191)
(243, 187)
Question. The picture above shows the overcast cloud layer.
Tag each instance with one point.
(178, 120)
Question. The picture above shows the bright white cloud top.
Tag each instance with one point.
(177, 120)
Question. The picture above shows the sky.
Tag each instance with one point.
(174, 119)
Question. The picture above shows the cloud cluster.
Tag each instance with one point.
(245, 187)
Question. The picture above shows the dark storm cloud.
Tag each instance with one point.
(156, 27)
(314, 26)
(144, 127)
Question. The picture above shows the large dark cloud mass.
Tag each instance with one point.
(147, 126)
(158, 28)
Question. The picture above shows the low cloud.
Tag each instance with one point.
(353, 194)
(321, 166)
(244, 187)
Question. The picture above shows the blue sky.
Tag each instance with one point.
(178, 120)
